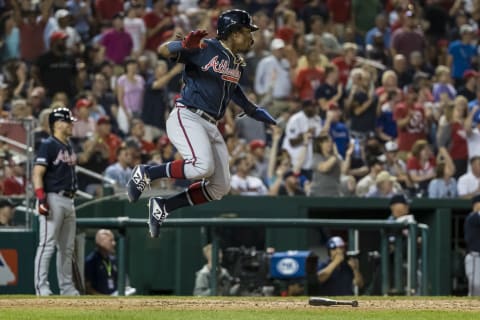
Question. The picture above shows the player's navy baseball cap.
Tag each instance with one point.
(335, 242)
(61, 114)
(399, 198)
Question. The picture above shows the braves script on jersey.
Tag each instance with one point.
(211, 76)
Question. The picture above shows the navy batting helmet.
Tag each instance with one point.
(234, 18)
(60, 114)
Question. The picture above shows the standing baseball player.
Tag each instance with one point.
(211, 75)
(55, 183)
(472, 239)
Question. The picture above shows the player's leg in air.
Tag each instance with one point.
(205, 158)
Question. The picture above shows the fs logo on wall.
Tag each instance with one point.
(8, 267)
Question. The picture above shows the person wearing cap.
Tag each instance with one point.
(57, 64)
(260, 165)
(385, 186)
(85, 126)
(273, 79)
(116, 43)
(469, 88)
(394, 165)
(339, 274)
(302, 127)
(460, 54)
(55, 184)
(63, 18)
(7, 211)
(472, 241)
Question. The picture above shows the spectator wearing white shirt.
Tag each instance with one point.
(244, 184)
(469, 184)
(273, 81)
(120, 171)
(135, 27)
(306, 120)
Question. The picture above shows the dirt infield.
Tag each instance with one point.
(189, 303)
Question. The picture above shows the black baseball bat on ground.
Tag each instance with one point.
(319, 301)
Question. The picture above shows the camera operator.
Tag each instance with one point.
(339, 273)
(226, 284)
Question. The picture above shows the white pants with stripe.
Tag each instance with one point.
(472, 271)
(203, 149)
(57, 230)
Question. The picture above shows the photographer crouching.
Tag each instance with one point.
(339, 273)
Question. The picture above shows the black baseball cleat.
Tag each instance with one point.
(156, 215)
(137, 183)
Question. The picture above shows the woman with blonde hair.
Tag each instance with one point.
(451, 134)
(443, 90)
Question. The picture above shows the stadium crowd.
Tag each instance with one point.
(373, 97)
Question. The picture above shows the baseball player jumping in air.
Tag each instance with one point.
(55, 183)
(211, 74)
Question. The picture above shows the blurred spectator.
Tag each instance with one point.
(288, 185)
(328, 168)
(300, 123)
(63, 19)
(386, 127)
(308, 79)
(444, 185)
(361, 105)
(400, 67)
(15, 183)
(135, 26)
(452, 134)
(42, 131)
(130, 91)
(339, 273)
(117, 44)
(375, 167)
(469, 184)
(385, 186)
(160, 25)
(7, 211)
(273, 79)
(411, 120)
(346, 61)
(409, 37)
(121, 170)
(318, 27)
(381, 28)
(57, 64)
(461, 54)
(421, 166)
(106, 10)
(468, 90)
(137, 137)
(260, 165)
(330, 92)
(82, 16)
(84, 127)
(10, 49)
(156, 99)
(226, 285)
(394, 165)
(31, 27)
(243, 183)
(443, 90)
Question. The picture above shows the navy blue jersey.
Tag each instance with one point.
(472, 232)
(210, 76)
(60, 160)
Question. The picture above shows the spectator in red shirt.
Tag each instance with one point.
(308, 79)
(105, 135)
(421, 165)
(346, 61)
(411, 121)
(15, 183)
(31, 28)
(159, 25)
(117, 43)
(106, 10)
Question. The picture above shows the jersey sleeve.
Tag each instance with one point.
(42, 156)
